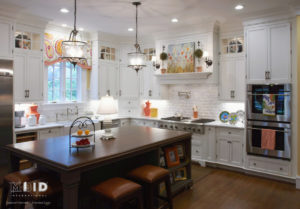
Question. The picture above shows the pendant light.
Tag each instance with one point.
(74, 50)
(137, 59)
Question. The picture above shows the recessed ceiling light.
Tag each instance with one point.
(64, 25)
(174, 20)
(64, 10)
(239, 7)
(130, 29)
(81, 29)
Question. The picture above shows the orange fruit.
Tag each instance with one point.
(87, 132)
(79, 132)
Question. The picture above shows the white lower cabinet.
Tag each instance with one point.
(50, 133)
(203, 145)
(229, 144)
(269, 166)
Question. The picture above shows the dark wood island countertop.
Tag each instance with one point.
(54, 153)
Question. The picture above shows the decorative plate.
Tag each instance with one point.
(83, 135)
(233, 118)
(83, 146)
(241, 115)
(224, 116)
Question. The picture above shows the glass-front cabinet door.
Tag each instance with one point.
(28, 40)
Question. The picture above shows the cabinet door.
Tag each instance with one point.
(6, 40)
(35, 77)
(199, 142)
(129, 83)
(236, 152)
(280, 53)
(211, 143)
(103, 82)
(19, 77)
(223, 150)
(240, 84)
(113, 80)
(227, 79)
(257, 54)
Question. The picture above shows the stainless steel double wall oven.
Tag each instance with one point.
(280, 121)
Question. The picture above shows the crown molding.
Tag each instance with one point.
(270, 16)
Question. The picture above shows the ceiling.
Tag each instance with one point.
(116, 16)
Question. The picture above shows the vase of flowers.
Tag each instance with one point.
(163, 57)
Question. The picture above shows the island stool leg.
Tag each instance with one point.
(70, 182)
(14, 163)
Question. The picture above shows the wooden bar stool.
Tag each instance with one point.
(31, 175)
(119, 191)
(150, 177)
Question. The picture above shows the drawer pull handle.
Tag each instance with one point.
(254, 164)
(281, 169)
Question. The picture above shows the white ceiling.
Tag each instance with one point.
(115, 16)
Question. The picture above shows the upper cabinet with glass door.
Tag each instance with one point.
(232, 46)
(107, 53)
(31, 41)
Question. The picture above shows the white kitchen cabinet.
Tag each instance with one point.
(229, 145)
(28, 76)
(129, 83)
(232, 78)
(108, 78)
(269, 166)
(269, 53)
(50, 133)
(203, 145)
(6, 39)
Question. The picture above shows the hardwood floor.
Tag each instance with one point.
(222, 189)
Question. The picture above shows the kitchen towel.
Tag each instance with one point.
(268, 139)
(269, 105)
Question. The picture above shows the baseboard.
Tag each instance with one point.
(298, 182)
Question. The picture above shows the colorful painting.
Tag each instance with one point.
(181, 58)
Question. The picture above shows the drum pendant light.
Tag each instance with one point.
(136, 59)
(74, 50)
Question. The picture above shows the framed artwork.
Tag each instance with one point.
(172, 156)
(181, 151)
(181, 58)
(180, 174)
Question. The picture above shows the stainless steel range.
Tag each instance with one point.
(184, 124)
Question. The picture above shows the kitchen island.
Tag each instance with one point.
(77, 170)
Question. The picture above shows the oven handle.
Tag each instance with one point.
(266, 94)
(269, 128)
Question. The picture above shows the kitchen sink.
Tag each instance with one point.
(203, 120)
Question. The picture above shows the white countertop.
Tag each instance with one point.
(59, 124)
(68, 123)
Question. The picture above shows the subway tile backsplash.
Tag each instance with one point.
(204, 96)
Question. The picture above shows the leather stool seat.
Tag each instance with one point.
(27, 175)
(116, 188)
(151, 177)
(148, 173)
(119, 191)
(31, 175)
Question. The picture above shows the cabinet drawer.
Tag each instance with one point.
(227, 132)
(279, 168)
(49, 133)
